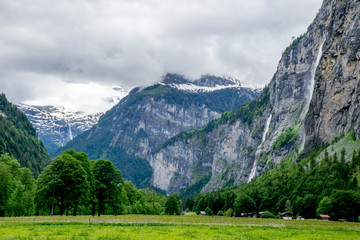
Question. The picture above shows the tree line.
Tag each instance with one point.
(73, 184)
(307, 188)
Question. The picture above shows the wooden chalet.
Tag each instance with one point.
(286, 215)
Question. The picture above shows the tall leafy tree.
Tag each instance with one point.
(106, 179)
(172, 205)
(244, 204)
(17, 188)
(65, 182)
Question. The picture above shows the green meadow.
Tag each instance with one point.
(172, 227)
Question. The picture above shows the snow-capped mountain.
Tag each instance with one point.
(207, 83)
(56, 125)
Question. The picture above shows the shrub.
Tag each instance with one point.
(209, 211)
(285, 138)
(220, 213)
(229, 212)
(268, 214)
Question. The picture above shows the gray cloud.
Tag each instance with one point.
(129, 43)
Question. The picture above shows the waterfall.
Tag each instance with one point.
(266, 128)
(253, 169)
(70, 132)
(310, 91)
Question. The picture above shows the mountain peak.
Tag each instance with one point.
(206, 83)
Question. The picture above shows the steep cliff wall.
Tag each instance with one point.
(311, 99)
(335, 106)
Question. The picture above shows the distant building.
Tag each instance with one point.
(286, 215)
(202, 213)
(324, 217)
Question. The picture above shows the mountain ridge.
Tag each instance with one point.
(56, 125)
(147, 117)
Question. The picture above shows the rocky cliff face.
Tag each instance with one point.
(335, 106)
(138, 126)
(56, 125)
(312, 98)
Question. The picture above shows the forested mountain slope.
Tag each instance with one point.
(18, 138)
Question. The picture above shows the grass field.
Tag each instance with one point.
(172, 227)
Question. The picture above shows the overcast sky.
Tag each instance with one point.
(73, 52)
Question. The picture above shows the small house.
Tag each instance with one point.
(324, 217)
(202, 213)
(286, 215)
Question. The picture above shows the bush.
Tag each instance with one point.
(285, 138)
(268, 214)
(209, 211)
(220, 213)
(229, 212)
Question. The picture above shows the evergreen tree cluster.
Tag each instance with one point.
(308, 188)
(18, 138)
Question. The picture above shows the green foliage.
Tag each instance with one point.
(294, 43)
(325, 206)
(209, 211)
(18, 138)
(321, 183)
(285, 138)
(64, 183)
(338, 138)
(106, 180)
(244, 204)
(345, 204)
(267, 214)
(195, 188)
(79, 186)
(220, 213)
(229, 212)
(17, 188)
(172, 205)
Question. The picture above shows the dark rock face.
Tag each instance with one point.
(335, 104)
(313, 97)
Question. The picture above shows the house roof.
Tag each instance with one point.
(285, 213)
(324, 216)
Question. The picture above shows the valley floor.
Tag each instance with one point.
(172, 227)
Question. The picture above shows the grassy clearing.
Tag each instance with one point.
(172, 227)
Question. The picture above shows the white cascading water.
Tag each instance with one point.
(253, 169)
(266, 128)
(70, 133)
(309, 95)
